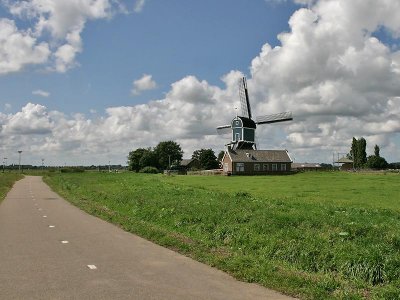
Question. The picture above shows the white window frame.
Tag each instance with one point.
(274, 167)
(283, 167)
(265, 167)
(257, 167)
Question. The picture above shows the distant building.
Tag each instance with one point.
(255, 162)
(190, 164)
(306, 167)
(347, 164)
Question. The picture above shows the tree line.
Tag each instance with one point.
(168, 155)
(359, 156)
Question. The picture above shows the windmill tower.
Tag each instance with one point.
(244, 127)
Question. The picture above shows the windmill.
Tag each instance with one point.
(244, 127)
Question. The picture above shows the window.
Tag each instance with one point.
(274, 167)
(283, 167)
(237, 123)
(265, 167)
(256, 167)
(237, 137)
(239, 167)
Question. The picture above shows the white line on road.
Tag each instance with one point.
(92, 267)
(64, 242)
(44, 216)
(51, 226)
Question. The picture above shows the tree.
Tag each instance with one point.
(148, 159)
(376, 162)
(134, 159)
(354, 150)
(168, 152)
(358, 152)
(207, 158)
(196, 154)
(376, 151)
(362, 146)
(221, 155)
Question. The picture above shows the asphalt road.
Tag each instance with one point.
(50, 249)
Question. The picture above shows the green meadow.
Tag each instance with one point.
(6, 182)
(311, 235)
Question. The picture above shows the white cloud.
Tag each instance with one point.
(145, 83)
(41, 93)
(19, 48)
(32, 119)
(338, 79)
(58, 23)
(139, 4)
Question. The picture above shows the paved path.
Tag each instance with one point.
(50, 249)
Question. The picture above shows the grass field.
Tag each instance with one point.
(6, 182)
(311, 235)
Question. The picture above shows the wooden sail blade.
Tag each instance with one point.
(275, 118)
(244, 98)
(225, 129)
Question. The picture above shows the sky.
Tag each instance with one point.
(83, 82)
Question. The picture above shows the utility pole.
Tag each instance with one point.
(19, 160)
(4, 163)
(42, 164)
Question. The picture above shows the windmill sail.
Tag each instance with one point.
(244, 98)
(275, 118)
(224, 129)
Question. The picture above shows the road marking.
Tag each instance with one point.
(92, 267)
(51, 226)
(44, 216)
(64, 242)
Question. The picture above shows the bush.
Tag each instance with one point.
(149, 170)
(72, 170)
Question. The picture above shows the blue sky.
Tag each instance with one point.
(168, 39)
(91, 80)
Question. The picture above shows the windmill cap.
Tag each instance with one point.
(246, 122)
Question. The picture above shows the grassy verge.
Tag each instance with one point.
(6, 182)
(315, 235)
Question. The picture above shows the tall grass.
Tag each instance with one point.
(317, 236)
(6, 182)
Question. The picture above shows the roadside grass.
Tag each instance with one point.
(311, 235)
(7, 181)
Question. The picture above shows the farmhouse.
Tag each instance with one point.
(255, 162)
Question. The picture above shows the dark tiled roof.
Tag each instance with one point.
(185, 162)
(259, 156)
(247, 122)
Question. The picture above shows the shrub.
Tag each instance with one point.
(150, 170)
(72, 170)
